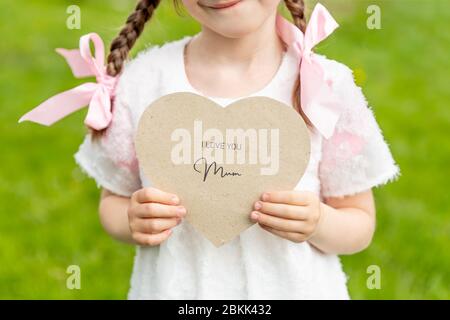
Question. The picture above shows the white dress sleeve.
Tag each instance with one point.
(356, 158)
(111, 159)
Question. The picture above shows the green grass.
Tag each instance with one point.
(48, 207)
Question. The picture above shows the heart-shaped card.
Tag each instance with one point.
(220, 160)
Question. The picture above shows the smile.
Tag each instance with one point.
(221, 5)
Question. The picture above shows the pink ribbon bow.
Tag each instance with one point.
(318, 101)
(97, 95)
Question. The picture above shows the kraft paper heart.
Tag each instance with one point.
(220, 160)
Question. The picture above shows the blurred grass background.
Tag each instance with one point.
(49, 208)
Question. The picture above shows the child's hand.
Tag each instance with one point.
(291, 215)
(151, 215)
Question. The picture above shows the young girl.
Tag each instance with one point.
(244, 49)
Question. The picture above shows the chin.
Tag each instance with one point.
(238, 29)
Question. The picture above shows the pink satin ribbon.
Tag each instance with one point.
(97, 95)
(318, 102)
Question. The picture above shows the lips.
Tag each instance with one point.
(221, 5)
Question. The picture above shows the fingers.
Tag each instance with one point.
(151, 239)
(287, 214)
(289, 197)
(280, 224)
(152, 215)
(158, 210)
(155, 195)
(153, 225)
(282, 210)
(292, 236)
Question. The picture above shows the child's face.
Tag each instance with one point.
(231, 18)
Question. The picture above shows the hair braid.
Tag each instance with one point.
(122, 44)
(297, 10)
